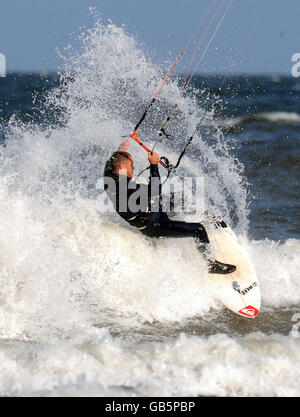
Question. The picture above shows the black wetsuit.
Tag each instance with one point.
(152, 222)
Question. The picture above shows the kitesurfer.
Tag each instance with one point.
(139, 205)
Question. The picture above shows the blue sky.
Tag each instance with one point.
(257, 36)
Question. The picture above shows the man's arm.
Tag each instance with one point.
(154, 160)
(154, 187)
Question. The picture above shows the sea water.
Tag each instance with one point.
(89, 306)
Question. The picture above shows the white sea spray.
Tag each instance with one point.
(71, 277)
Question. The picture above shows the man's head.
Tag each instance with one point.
(122, 163)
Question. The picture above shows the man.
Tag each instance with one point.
(139, 204)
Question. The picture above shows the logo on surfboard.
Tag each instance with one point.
(249, 311)
(236, 287)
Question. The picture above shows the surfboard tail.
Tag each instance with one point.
(238, 291)
(249, 311)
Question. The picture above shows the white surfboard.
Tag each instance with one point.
(238, 291)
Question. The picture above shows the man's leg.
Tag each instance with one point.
(162, 226)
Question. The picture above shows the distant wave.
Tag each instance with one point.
(273, 117)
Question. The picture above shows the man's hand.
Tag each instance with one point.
(154, 158)
(124, 146)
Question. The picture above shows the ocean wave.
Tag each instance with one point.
(64, 268)
(291, 119)
(61, 257)
(96, 364)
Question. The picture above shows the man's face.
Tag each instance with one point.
(127, 167)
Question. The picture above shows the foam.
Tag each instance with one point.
(95, 364)
(277, 265)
